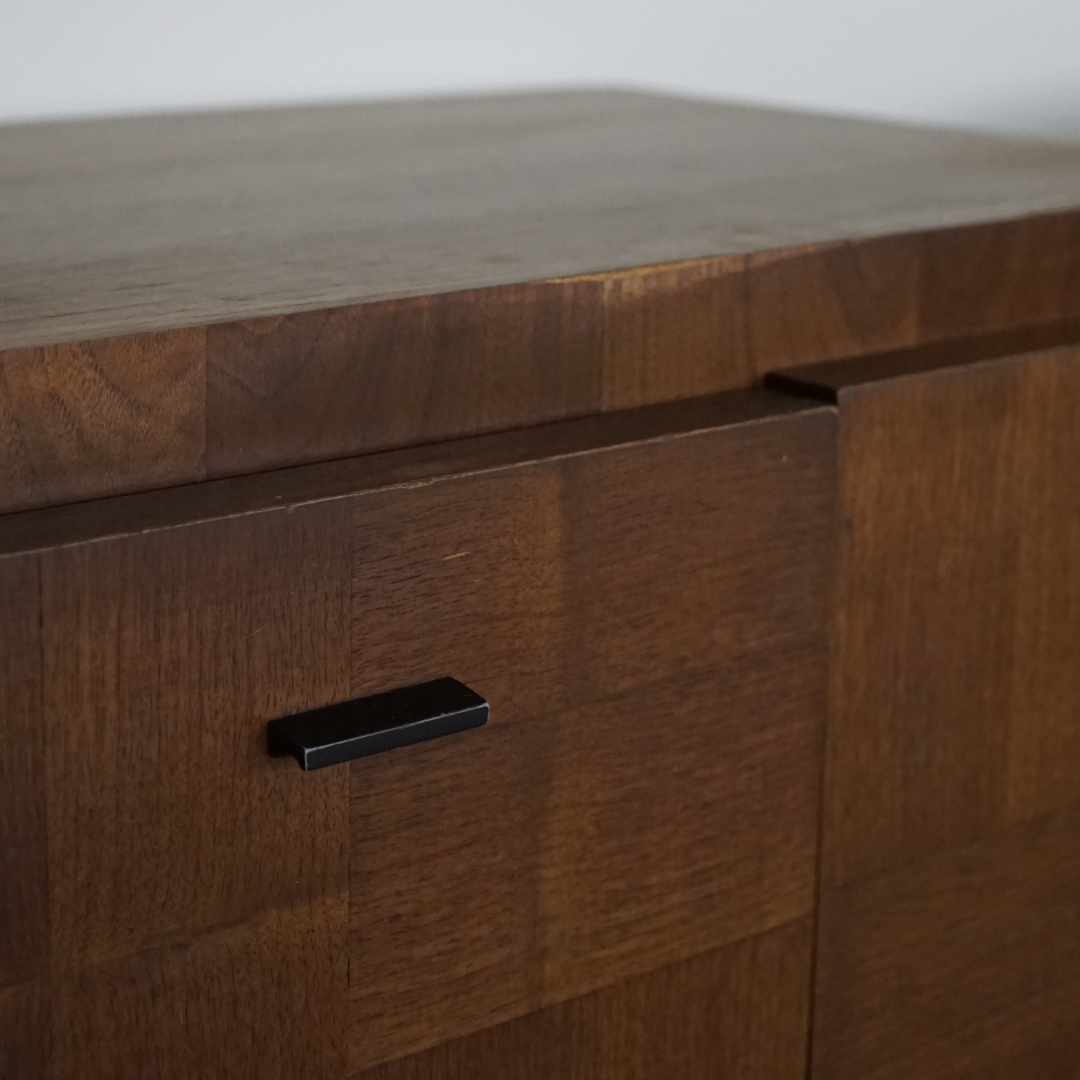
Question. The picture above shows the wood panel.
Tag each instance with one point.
(740, 1011)
(981, 280)
(950, 907)
(24, 923)
(135, 413)
(195, 925)
(444, 858)
(261, 998)
(638, 867)
(950, 966)
(196, 889)
(1043, 765)
(675, 331)
(400, 372)
(24, 1030)
(394, 273)
(132, 225)
(483, 552)
(23, 874)
(199, 930)
(830, 300)
(650, 633)
(86, 420)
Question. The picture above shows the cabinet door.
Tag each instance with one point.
(950, 903)
(614, 877)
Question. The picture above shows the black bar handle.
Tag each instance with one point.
(370, 725)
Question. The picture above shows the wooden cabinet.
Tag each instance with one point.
(640, 809)
(781, 773)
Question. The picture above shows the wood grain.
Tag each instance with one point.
(24, 1030)
(674, 331)
(198, 914)
(444, 857)
(365, 277)
(24, 923)
(194, 927)
(949, 906)
(262, 998)
(740, 1011)
(196, 890)
(824, 301)
(1044, 729)
(483, 552)
(121, 226)
(962, 515)
(23, 871)
(982, 280)
(950, 967)
(212, 500)
(650, 634)
(92, 419)
(636, 869)
(400, 372)
(246, 638)
(259, 394)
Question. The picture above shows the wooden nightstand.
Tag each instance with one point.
(731, 457)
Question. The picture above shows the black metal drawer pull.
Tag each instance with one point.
(370, 725)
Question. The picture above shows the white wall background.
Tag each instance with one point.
(1010, 65)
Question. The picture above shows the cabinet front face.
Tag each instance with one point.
(190, 894)
(950, 903)
(647, 624)
(613, 878)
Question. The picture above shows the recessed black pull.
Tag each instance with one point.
(370, 725)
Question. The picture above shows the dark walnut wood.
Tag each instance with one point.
(303, 404)
(176, 903)
(949, 943)
(114, 227)
(88, 419)
(740, 1011)
(189, 925)
(194, 297)
(24, 908)
(649, 632)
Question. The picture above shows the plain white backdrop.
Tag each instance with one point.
(997, 64)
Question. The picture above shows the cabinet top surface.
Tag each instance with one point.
(126, 225)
